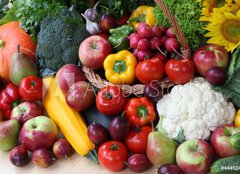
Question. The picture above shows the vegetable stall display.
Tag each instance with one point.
(137, 85)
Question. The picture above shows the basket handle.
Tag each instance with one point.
(185, 47)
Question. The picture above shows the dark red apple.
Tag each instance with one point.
(62, 148)
(38, 132)
(25, 111)
(194, 156)
(42, 157)
(93, 51)
(106, 22)
(209, 56)
(80, 96)
(19, 156)
(67, 75)
(221, 143)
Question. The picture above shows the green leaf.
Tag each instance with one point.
(231, 88)
(180, 137)
(235, 61)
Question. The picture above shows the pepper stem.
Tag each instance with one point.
(142, 111)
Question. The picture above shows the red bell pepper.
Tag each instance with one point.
(140, 111)
(9, 98)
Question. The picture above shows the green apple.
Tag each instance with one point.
(194, 156)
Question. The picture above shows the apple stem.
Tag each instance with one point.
(18, 49)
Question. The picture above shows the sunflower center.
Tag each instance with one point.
(220, 3)
(230, 30)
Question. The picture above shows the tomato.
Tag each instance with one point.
(111, 100)
(113, 155)
(136, 140)
(104, 35)
(30, 88)
(149, 70)
(180, 71)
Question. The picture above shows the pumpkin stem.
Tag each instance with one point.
(18, 49)
(2, 44)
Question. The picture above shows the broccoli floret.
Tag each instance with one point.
(59, 39)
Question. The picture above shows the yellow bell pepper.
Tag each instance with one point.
(120, 67)
(237, 119)
(143, 13)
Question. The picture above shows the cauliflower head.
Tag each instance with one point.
(193, 110)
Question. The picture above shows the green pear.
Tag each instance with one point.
(9, 131)
(21, 66)
(161, 149)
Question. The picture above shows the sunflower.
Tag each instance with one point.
(237, 2)
(224, 30)
(218, 5)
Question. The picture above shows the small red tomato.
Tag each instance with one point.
(104, 35)
(30, 88)
(113, 155)
(136, 140)
(180, 71)
(111, 100)
(123, 20)
(149, 70)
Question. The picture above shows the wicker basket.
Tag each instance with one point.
(137, 89)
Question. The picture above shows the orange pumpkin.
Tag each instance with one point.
(12, 35)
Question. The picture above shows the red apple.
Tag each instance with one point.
(19, 156)
(42, 157)
(38, 132)
(25, 111)
(93, 51)
(62, 148)
(221, 143)
(194, 156)
(209, 56)
(67, 75)
(80, 96)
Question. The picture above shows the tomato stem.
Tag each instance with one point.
(108, 95)
(114, 147)
(138, 129)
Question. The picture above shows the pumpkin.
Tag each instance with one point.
(12, 35)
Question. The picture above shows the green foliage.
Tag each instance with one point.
(231, 88)
(3, 7)
(234, 61)
(187, 14)
(119, 7)
(30, 13)
(59, 39)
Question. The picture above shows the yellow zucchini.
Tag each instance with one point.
(69, 121)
